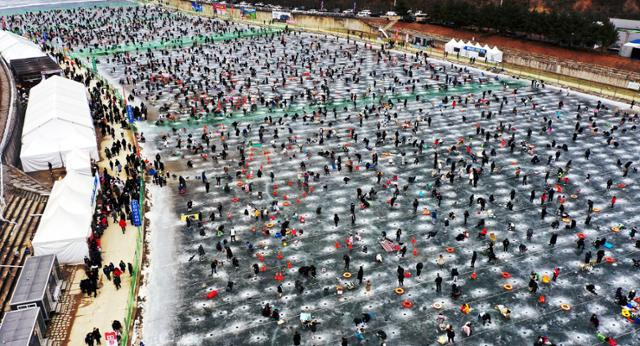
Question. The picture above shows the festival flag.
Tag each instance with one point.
(221, 9)
(249, 13)
(196, 6)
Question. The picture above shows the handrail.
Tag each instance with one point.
(7, 126)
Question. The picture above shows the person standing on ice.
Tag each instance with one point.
(297, 338)
(451, 335)
(360, 275)
(595, 322)
(347, 260)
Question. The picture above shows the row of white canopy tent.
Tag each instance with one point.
(473, 50)
(65, 225)
(58, 129)
(16, 47)
(57, 122)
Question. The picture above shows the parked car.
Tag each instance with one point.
(421, 17)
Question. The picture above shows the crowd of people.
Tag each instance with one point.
(275, 141)
(119, 183)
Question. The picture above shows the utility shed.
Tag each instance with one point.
(38, 285)
(22, 328)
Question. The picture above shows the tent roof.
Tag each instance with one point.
(13, 47)
(57, 99)
(78, 160)
(69, 210)
(58, 119)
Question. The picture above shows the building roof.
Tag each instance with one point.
(30, 69)
(33, 279)
(17, 327)
(620, 23)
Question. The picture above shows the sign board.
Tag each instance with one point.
(634, 85)
(135, 212)
(475, 49)
(111, 338)
(281, 16)
(130, 114)
(221, 9)
(96, 187)
(196, 6)
(249, 12)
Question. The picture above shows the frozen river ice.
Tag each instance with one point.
(313, 110)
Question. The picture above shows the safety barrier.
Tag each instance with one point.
(259, 114)
(137, 258)
(165, 44)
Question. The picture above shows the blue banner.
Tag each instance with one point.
(135, 213)
(196, 6)
(130, 114)
(94, 191)
(475, 49)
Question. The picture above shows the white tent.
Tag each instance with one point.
(14, 47)
(57, 121)
(630, 49)
(78, 161)
(487, 49)
(494, 55)
(65, 225)
(453, 46)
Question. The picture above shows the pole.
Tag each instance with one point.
(1, 184)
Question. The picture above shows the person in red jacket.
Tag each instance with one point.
(556, 272)
(123, 225)
(613, 201)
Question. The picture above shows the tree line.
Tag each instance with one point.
(569, 29)
(559, 23)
